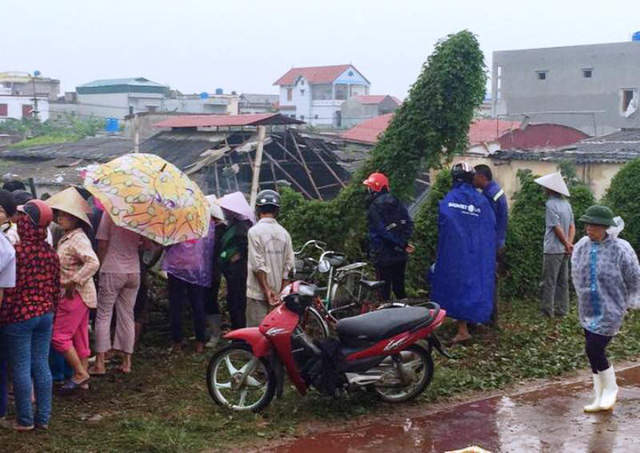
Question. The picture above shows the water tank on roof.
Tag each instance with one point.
(636, 36)
(219, 91)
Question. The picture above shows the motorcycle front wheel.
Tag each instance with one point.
(416, 365)
(238, 380)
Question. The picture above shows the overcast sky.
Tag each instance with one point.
(245, 45)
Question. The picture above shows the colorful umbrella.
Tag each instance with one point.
(148, 195)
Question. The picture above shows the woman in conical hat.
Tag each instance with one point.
(78, 265)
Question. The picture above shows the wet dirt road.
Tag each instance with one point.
(549, 419)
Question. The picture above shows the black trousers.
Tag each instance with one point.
(236, 276)
(394, 276)
(595, 347)
(211, 305)
(178, 289)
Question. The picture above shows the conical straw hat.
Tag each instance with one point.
(71, 202)
(555, 182)
(214, 208)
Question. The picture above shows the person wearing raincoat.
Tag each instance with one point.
(606, 276)
(189, 268)
(464, 276)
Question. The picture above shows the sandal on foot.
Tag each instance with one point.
(93, 372)
(72, 385)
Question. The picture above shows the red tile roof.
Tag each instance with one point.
(481, 131)
(226, 120)
(314, 75)
(369, 130)
(490, 130)
(371, 98)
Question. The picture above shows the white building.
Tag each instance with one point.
(219, 104)
(315, 94)
(21, 106)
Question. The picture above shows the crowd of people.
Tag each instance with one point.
(63, 258)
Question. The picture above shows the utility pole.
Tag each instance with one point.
(35, 97)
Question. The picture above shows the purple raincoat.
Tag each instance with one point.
(192, 261)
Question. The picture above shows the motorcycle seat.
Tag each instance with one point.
(372, 285)
(380, 324)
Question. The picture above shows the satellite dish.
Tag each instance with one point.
(204, 95)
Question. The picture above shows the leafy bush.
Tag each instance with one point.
(525, 235)
(36, 132)
(425, 236)
(622, 197)
(432, 123)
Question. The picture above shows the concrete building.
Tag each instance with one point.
(315, 94)
(594, 88)
(357, 109)
(204, 103)
(21, 106)
(257, 103)
(23, 84)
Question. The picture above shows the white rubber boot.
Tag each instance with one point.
(214, 323)
(609, 389)
(597, 390)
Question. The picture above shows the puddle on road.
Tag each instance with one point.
(543, 420)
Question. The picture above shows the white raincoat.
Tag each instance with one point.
(606, 276)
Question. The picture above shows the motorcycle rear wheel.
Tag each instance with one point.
(419, 361)
(238, 380)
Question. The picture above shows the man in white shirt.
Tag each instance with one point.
(271, 259)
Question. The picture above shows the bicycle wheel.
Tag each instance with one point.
(314, 325)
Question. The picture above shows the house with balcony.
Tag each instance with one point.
(316, 94)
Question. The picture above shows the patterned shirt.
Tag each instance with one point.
(37, 290)
(78, 264)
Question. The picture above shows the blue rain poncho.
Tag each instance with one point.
(606, 276)
(464, 277)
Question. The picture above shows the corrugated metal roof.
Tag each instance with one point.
(227, 120)
(489, 130)
(314, 75)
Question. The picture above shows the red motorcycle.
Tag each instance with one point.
(388, 351)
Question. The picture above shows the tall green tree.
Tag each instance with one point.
(429, 127)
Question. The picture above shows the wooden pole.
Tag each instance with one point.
(306, 168)
(256, 166)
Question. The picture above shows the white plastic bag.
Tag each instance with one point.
(614, 231)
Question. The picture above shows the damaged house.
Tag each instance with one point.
(216, 151)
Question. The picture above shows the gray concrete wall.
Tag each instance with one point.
(615, 67)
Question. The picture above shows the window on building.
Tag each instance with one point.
(542, 75)
(152, 108)
(27, 110)
(587, 73)
(342, 91)
(316, 117)
(323, 92)
(302, 82)
(629, 103)
(499, 83)
(4, 109)
(301, 92)
(301, 117)
(289, 94)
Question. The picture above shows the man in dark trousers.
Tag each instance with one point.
(483, 180)
(390, 228)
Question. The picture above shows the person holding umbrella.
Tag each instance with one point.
(143, 196)
(234, 254)
(78, 265)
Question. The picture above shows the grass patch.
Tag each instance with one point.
(52, 139)
(164, 406)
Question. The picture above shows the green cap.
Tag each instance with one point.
(598, 215)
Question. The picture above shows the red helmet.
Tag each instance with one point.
(376, 182)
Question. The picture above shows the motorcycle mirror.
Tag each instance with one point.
(324, 266)
(307, 290)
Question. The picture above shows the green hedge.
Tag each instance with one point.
(623, 198)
